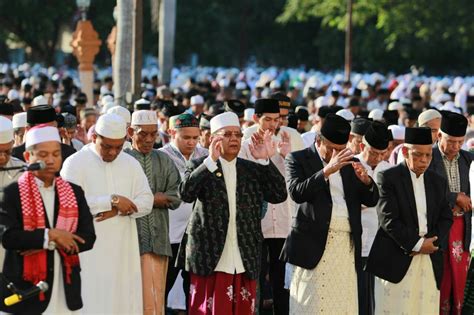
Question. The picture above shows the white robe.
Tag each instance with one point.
(111, 277)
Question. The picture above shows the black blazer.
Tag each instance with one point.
(15, 240)
(398, 232)
(306, 242)
(203, 242)
(464, 163)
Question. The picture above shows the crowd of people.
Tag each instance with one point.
(240, 192)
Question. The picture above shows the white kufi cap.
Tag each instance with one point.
(39, 100)
(227, 119)
(428, 115)
(41, 134)
(346, 114)
(6, 130)
(376, 114)
(19, 120)
(248, 114)
(197, 100)
(398, 132)
(144, 117)
(111, 126)
(122, 112)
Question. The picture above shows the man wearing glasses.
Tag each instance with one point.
(222, 245)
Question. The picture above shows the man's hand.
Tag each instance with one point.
(125, 206)
(361, 173)
(81, 134)
(65, 240)
(262, 146)
(428, 247)
(215, 148)
(338, 161)
(106, 215)
(463, 202)
(284, 146)
(161, 200)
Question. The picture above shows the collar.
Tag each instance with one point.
(319, 154)
(175, 149)
(414, 178)
(446, 158)
(40, 184)
(226, 163)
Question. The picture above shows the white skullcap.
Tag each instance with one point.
(122, 112)
(41, 134)
(398, 132)
(106, 99)
(39, 100)
(111, 126)
(6, 130)
(376, 114)
(395, 106)
(19, 120)
(240, 85)
(346, 114)
(428, 115)
(321, 101)
(107, 106)
(144, 117)
(248, 114)
(449, 106)
(13, 94)
(227, 119)
(142, 101)
(197, 100)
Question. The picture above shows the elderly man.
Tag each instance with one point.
(414, 219)
(373, 147)
(47, 223)
(182, 148)
(330, 188)
(153, 229)
(222, 245)
(452, 163)
(197, 106)
(118, 193)
(277, 221)
(431, 118)
(205, 127)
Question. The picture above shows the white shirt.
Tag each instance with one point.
(309, 138)
(369, 219)
(57, 304)
(230, 261)
(111, 272)
(420, 201)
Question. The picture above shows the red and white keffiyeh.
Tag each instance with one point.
(34, 265)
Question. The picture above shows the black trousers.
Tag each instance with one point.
(272, 265)
(365, 290)
(172, 274)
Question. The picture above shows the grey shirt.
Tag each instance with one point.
(163, 176)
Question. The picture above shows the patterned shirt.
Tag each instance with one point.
(452, 172)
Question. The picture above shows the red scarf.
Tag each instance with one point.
(34, 217)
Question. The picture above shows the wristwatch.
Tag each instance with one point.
(51, 245)
(114, 200)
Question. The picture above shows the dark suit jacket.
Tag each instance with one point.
(15, 240)
(66, 151)
(465, 159)
(398, 233)
(306, 242)
(205, 235)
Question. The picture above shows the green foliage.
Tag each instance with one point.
(389, 35)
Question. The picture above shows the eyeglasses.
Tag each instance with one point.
(229, 134)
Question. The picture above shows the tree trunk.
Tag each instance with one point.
(167, 27)
(123, 51)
